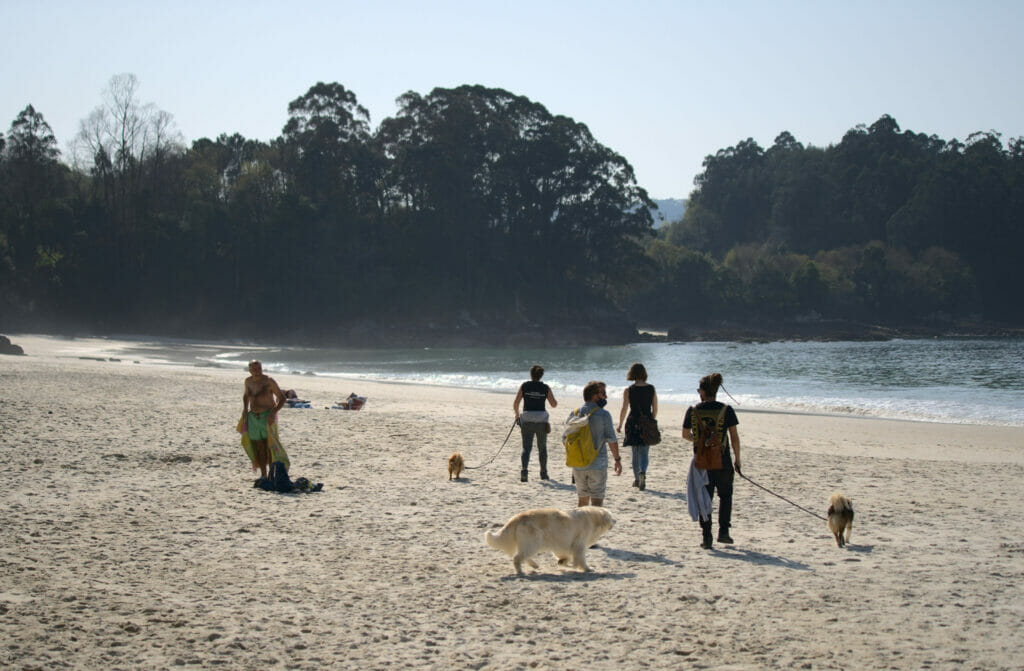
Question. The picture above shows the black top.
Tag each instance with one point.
(641, 400)
(535, 394)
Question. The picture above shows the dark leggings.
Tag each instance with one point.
(531, 429)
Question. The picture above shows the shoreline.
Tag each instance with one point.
(135, 539)
(466, 336)
(114, 350)
(858, 434)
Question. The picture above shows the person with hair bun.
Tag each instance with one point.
(534, 420)
(720, 479)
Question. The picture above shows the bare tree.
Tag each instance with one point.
(121, 143)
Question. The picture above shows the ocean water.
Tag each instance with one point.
(964, 381)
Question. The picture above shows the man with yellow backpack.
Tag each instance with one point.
(588, 436)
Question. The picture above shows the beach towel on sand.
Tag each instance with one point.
(277, 452)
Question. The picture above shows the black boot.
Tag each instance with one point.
(643, 482)
(522, 476)
(705, 528)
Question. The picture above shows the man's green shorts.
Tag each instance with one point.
(257, 422)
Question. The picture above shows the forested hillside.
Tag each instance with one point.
(475, 215)
(887, 226)
(471, 211)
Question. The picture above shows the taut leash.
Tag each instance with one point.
(514, 422)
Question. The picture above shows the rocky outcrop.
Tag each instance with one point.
(7, 347)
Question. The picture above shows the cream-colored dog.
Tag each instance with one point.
(566, 535)
(840, 517)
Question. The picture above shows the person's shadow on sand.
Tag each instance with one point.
(679, 496)
(759, 558)
(561, 486)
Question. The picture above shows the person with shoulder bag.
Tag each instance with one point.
(641, 400)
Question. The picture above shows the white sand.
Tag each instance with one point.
(133, 539)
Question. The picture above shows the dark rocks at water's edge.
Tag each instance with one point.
(371, 334)
(832, 331)
(602, 329)
(614, 330)
(7, 347)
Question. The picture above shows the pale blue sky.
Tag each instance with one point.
(662, 83)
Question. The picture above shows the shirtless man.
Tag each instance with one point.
(260, 403)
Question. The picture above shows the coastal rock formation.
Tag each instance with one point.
(7, 347)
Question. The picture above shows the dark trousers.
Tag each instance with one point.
(538, 429)
(722, 481)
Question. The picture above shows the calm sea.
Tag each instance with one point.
(976, 381)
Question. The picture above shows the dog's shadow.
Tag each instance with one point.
(626, 555)
(569, 575)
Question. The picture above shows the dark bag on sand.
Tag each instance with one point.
(708, 429)
(650, 434)
(279, 480)
(304, 485)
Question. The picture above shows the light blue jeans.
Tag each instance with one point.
(640, 459)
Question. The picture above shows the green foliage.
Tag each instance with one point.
(894, 226)
(471, 204)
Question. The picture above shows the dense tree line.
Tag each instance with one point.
(887, 226)
(470, 208)
(473, 208)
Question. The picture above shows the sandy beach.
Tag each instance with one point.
(133, 538)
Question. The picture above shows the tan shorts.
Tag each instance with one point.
(591, 483)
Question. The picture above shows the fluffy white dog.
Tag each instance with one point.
(566, 535)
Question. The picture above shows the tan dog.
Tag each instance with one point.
(566, 535)
(840, 517)
(455, 465)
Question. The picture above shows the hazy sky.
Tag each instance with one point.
(662, 83)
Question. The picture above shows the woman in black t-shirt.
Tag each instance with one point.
(534, 420)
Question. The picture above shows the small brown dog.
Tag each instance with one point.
(840, 517)
(455, 465)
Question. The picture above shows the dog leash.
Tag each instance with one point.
(809, 512)
(514, 423)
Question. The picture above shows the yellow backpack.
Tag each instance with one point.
(580, 450)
